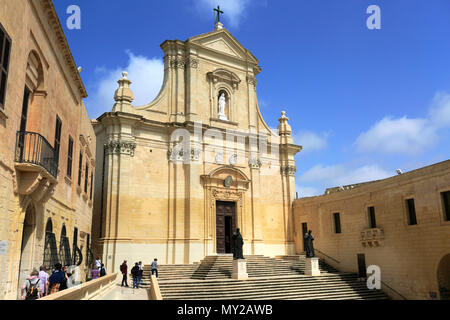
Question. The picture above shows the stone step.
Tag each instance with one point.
(347, 287)
(281, 277)
(327, 293)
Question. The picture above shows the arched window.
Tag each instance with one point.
(64, 248)
(34, 73)
(49, 226)
(50, 250)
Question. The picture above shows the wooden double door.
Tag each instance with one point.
(225, 225)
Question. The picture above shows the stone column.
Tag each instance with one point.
(257, 241)
(287, 170)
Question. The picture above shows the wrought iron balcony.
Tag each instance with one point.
(34, 149)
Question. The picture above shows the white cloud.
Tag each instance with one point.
(146, 74)
(398, 136)
(409, 136)
(339, 175)
(307, 191)
(440, 110)
(233, 9)
(311, 141)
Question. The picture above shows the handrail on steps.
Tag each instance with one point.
(384, 283)
(403, 297)
(327, 255)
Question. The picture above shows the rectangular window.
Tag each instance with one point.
(446, 203)
(70, 158)
(80, 168)
(86, 177)
(92, 184)
(76, 256)
(337, 222)
(57, 137)
(372, 221)
(5, 47)
(412, 220)
(24, 115)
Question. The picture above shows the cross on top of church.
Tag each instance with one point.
(218, 13)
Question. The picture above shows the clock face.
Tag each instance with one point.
(233, 159)
(228, 181)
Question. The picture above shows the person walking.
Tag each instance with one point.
(43, 276)
(95, 273)
(102, 270)
(56, 279)
(65, 282)
(32, 288)
(98, 263)
(135, 274)
(155, 267)
(141, 272)
(124, 270)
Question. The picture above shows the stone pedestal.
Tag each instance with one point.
(312, 267)
(240, 269)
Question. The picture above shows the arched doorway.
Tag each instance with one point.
(27, 248)
(50, 251)
(64, 248)
(444, 277)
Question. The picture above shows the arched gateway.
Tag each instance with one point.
(180, 173)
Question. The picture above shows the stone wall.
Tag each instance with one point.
(41, 61)
(408, 255)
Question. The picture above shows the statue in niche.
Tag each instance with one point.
(222, 106)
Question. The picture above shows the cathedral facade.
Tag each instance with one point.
(177, 176)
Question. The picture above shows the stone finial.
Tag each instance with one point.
(218, 26)
(284, 129)
(123, 95)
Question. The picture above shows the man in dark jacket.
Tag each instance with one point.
(56, 279)
(135, 274)
(124, 270)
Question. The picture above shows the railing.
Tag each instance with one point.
(155, 292)
(86, 291)
(33, 148)
(398, 293)
(337, 261)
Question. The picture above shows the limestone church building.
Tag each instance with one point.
(177, 176)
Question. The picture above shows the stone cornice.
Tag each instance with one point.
(288, 170)
(120, 147)
(179, 62)
(53, 20)
(178, 155)
(255, 163)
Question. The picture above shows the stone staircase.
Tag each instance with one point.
(297, 287)
(281, 277)
(221, 267)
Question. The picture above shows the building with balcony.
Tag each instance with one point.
(401, 224)
(47, 149)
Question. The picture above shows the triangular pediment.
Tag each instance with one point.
(222, 41)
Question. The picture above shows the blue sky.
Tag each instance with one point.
(362, 102)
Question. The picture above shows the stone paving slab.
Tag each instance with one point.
(125, 293)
